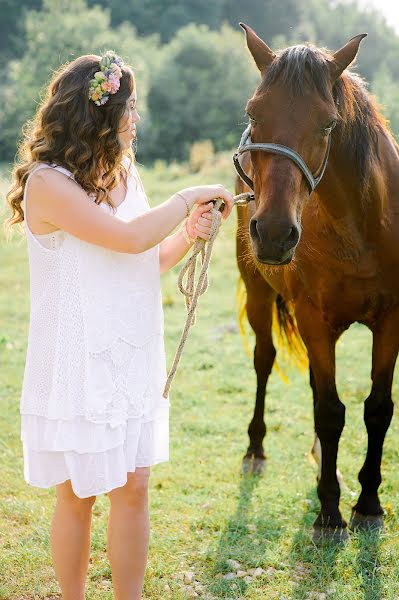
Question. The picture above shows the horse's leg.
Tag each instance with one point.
(316, 448)
(378, 410)
(260, 298)
(329, 415)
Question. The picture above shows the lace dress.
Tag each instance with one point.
(91, 400)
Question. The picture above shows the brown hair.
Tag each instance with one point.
(70, 130)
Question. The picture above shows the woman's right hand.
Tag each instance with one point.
(202, 194)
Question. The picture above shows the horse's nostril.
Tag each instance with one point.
(293, 235)
(253, 229)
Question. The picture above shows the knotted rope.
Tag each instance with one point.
(188, 288)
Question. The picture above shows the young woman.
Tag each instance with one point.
(93, 419)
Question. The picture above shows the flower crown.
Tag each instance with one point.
(107, 80)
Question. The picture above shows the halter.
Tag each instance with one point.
(247, 145)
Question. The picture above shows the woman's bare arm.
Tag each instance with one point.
(61, 202)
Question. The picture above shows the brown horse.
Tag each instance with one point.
(327, 257)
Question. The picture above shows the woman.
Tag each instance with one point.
(93, 419)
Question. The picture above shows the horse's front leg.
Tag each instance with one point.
(329, 417)
(260, 300)
(378, 410)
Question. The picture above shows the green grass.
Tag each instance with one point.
(203, 511)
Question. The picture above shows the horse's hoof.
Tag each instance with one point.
(359, 522)
(258, 466)
(253, 465)
(246, 464)
(329, 534)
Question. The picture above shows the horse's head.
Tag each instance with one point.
(293, 107)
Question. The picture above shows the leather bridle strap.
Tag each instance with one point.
(247, 145)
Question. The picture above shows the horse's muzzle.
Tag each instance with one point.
(272, 243)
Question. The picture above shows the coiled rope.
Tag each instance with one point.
(186, 281)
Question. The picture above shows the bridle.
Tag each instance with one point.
(247, 145)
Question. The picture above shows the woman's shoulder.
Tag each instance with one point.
(47, 176)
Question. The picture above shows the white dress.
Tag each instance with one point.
(91, 402)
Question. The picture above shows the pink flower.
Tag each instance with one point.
(115, 83)
(106, 86)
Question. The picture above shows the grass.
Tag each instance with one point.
(203, 510)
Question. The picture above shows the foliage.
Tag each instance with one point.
(199, 90)
(201, 153)
(63, 30)
(190, 54)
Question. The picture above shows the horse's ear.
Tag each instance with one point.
(262, 54)
(345, 55)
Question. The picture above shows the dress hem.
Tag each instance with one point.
(105, 491)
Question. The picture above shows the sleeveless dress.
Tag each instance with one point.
(91, 401)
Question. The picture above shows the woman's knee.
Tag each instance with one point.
(135, 490)
(67, 497)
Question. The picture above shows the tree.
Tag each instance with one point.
(164, 16)
(12, 39)
(199, 91)
(387, 91)
(63, 30)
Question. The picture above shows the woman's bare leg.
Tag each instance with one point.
(128, 535)
(70, 541)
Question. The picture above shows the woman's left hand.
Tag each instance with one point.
(199, 222)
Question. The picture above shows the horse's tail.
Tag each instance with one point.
(285, 330)
(287, 338)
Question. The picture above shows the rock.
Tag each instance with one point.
(234, 564)
(188, 577)
(259, 572)
(248, 579)
(251, 527)
(229, 576)
(302, 569)
(241, 574)
(271, 571)
(191, 593)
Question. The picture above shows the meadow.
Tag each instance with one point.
(204, 511)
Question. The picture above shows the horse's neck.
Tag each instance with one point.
(344, 200)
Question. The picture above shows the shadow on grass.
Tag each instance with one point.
(314, 565)
(238, 541)
(368, 564)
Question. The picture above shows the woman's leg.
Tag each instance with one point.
(128, 535)
(70, 541)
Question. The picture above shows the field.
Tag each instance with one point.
(203, 510)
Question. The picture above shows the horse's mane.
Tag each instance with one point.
(299, 67)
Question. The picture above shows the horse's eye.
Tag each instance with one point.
(327, 130)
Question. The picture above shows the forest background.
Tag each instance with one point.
(192, 69)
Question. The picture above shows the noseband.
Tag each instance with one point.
(247, 145)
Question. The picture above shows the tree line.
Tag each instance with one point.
(193, 72)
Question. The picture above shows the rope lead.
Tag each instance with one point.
(188, 288)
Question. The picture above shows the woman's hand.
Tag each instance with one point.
(204, 193)
(199, 223)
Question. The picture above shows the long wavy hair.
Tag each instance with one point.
(69, 129)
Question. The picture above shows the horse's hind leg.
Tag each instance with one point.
(378, 410)
(260, 298)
